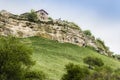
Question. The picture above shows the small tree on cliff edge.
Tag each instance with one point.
(32, 16)
(87, 33)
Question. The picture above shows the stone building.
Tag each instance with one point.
(42, 15)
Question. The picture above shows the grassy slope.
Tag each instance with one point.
(51, 56)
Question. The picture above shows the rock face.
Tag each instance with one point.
(61, 31)
(22, 28)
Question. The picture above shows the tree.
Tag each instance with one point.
(74, 72)
(93, 61)
(102, 73)
(35, 75)
(87, 32)
(15, 59)
(32, 16)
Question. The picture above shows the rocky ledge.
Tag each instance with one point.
(60, 30)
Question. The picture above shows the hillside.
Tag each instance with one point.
(55, 42)
(40, 24)
(52, 56)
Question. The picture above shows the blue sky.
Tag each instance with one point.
(102, 17)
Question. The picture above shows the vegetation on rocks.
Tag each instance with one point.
(87, 33)
(28, 24)
(32, 16)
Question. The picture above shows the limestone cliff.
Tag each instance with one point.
(60, 30)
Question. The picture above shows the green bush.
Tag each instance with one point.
(74, 72)
(87, 32)
(104, 73)
(34, 75)
(32, 16)
(102, 45)
(93, 61)
(15, 58)
(49, 18)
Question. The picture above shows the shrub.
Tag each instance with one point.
(102, 73)
(15, 58)
(74, 72)
(93, 61)
(32, 16)
(102, 45)
(34, 75)
(50, 18)
(87, 32)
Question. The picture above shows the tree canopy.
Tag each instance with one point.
(32, 16)
(15, 58)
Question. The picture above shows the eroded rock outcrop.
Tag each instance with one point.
(59, 30)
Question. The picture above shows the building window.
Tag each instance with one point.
(42, 13)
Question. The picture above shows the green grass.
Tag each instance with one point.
(52, 56)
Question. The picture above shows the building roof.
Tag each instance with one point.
(42, 10)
